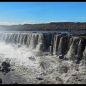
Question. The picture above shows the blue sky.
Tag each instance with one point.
(42, 12)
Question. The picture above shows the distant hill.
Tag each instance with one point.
(46, 26)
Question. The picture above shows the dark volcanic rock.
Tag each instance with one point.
(0, 81)
(61, 56)
(5, 67)
(63, 26)
(39, 78)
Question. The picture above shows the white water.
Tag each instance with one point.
(21, 55)
(28, 53)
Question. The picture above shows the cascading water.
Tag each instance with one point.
(57, 44)
(79, 50)
(40, 52)
(73, 48)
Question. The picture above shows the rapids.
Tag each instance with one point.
(51, 56)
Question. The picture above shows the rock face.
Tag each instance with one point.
(52, 26)
(62, 45)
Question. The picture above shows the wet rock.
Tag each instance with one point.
(59, 80)
(52, 81)
(47, 82)
(5, 64)
(32, 58)
(77, 69)
(15, 83)
(39, 78)
(12, 69)
(61, 56)
(73, 74)
(77, 62)
(76, 79)
(63, 69)
(5, 67)
(65, 58)
(0, 81)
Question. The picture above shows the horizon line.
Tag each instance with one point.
(10, 24)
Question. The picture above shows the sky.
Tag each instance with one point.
(41, 12)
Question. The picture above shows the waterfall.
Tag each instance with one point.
(73, 48)
(39, 47)
(63, 46)
(32, 42)
(57, 44)
(79, 50)
(40, 43)
(60, 46)
(84, 57)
